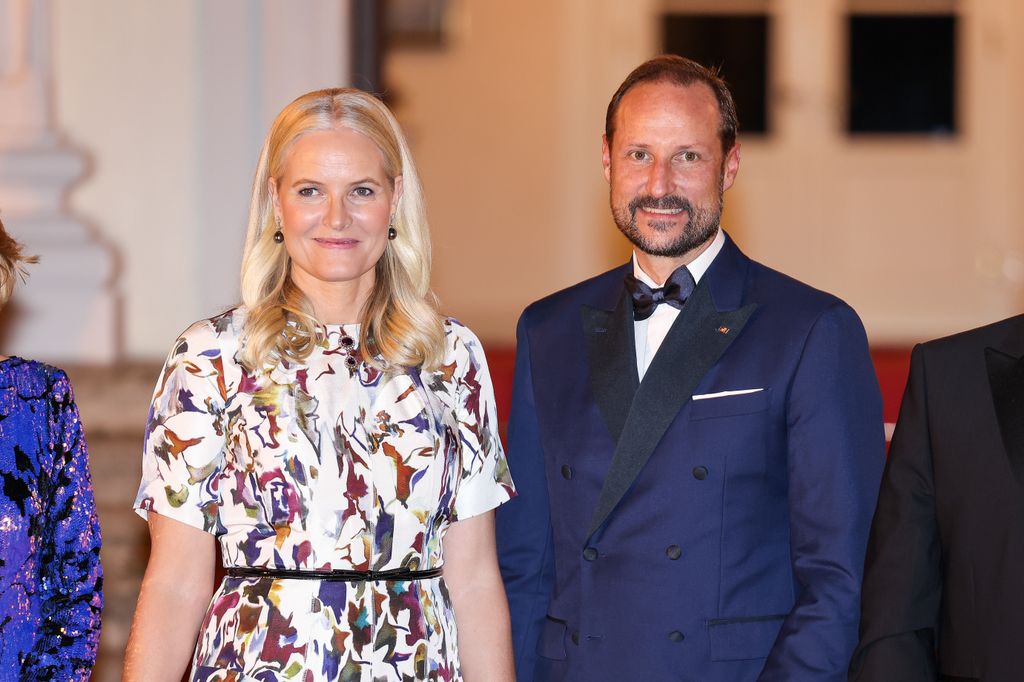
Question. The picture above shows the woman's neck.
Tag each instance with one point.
(337, 302)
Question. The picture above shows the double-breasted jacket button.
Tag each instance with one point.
(673, 552)
(700, 473)
(566, 472)
(590, 553)
(676, 636)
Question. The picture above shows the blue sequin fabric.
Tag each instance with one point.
(50, 575)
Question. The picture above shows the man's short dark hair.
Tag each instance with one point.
(680, 71)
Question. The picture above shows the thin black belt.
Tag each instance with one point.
(336, 576)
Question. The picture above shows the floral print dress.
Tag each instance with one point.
(323, 466)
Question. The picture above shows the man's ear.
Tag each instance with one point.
(606, 157)
(731, 166)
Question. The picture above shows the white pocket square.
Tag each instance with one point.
(723, 394)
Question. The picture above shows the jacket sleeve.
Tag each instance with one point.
(70, 572)
(903, 572)
(525, 547)
(835, 457)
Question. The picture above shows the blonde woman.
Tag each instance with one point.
(334, 433)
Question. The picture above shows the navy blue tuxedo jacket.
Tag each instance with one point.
(663, 532)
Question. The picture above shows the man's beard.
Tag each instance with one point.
(701, 224)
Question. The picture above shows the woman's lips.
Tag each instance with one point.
(329, 243)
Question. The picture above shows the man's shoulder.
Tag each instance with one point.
(736, 279)
(780, 292)
(994, 334)
(598, 291)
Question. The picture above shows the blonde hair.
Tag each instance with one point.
(400, 323)
(12, 264)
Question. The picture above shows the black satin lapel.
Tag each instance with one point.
(1006, 377)
(692, 346)
(611, 355)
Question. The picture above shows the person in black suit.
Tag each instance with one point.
(943, 594)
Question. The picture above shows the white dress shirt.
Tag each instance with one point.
(651, 332)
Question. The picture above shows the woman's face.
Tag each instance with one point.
(334, 202)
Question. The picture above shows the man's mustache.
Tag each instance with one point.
(668, 202)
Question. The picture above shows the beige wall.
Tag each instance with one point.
(922, 236)
(170, 102)
(505, 123)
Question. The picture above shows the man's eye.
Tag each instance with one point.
(638, 155)
(690, 156)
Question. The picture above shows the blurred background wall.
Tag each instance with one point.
(922, 234)
(167, 104)
(129, 132)
(170, 102)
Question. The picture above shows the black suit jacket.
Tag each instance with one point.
(943, 594)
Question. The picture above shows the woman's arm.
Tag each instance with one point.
(478, 597)
(69, 555)
(172, 603)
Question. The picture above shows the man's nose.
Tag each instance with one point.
(659, 179)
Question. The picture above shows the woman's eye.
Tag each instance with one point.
(363, 192)
(307, 192)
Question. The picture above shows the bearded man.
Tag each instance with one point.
(697, 439)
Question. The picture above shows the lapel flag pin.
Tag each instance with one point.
(723, 329)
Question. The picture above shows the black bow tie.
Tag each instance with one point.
(677, 289)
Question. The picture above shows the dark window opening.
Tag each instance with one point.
(902, 72)
(736, 44)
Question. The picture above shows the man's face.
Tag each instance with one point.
(666, 167)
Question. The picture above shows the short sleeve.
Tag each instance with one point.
(485, 479)
(184, 446)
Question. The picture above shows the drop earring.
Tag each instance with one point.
(392, 232)
(279, 235)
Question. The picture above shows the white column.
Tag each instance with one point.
(255, 57)
(67, 311)
(172, 100)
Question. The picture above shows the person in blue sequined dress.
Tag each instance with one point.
(50, 575)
